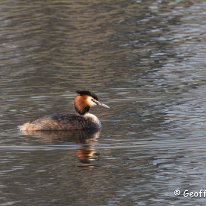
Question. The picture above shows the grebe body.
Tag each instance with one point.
(81, 121)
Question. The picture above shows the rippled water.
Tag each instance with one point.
(145, 59)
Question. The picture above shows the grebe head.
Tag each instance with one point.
(85, 100)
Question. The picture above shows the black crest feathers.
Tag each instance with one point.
(88, 93)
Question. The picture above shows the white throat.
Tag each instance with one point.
(91, 117)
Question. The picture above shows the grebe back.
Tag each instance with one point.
(83, 120)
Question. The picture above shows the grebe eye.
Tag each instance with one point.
(94, 101)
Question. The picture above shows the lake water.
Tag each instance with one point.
(146, 60)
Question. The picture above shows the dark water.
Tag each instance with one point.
(145, 59)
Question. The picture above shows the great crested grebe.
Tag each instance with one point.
(81, 121)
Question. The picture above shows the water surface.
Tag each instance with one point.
(145, 59)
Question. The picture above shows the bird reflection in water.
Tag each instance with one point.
(86, 153)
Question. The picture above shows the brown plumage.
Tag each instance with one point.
(83, 120)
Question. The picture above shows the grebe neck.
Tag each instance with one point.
(92, 118)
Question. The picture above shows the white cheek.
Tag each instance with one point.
(91, 103)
